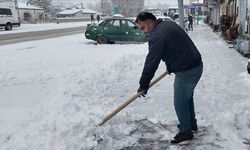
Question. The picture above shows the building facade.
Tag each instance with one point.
(76, 13)
(127, 8)
(30, 13)
(232, 19)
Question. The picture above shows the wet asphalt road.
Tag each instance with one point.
(38, 35)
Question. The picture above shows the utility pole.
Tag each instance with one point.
(181, 13)
(102, 6)
(16, 6)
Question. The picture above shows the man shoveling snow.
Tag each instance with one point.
(170, 43)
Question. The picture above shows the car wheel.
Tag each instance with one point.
(101, 40)
(8, 26)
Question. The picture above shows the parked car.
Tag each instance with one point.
(164, 18)
(175, 16)
(8, 16)
(114, 29)
(248, 66)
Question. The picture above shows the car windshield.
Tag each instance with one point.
(103, 23)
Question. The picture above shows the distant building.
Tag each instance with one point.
(191, 1)
(69, 13)
(30, 13)
(155, 11)
(129, 8)
(75, 13)
(135, 7)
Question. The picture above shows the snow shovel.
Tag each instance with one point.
(118, 109)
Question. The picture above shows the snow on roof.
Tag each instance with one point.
(152, 9)
(118, 15)
(28, 6)
(7, 4)
(73, 11)
(173, 7)
(198, 2)
(89, 11)
(69, 11)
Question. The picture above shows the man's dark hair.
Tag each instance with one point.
(142, 16)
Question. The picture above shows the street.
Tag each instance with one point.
(38, 35)
(53, 93)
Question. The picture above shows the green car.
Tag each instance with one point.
(115, 29)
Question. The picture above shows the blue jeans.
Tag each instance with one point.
(184, 85)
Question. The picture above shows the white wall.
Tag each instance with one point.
(34, 14)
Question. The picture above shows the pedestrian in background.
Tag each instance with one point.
(98, 18)
(190, 22)
(168, 42)
(92, 18)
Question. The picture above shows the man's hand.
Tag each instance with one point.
(144, 93)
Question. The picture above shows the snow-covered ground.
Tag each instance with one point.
(54, 92)
(43, 26)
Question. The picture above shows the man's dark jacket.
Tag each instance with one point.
(170, 43)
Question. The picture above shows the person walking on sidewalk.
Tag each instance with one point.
(98, 18)
(92, 18)
(168, 42)
(190, 22)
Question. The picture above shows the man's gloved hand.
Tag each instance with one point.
(143, 94)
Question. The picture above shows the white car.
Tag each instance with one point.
(164, 18)
(8, 16)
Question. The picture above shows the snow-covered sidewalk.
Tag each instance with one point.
(54, 92)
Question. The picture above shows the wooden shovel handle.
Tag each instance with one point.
(118, 109)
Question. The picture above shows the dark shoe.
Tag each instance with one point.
(194, 128)
(180, 137)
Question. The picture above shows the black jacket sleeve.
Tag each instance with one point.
(156, 45)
